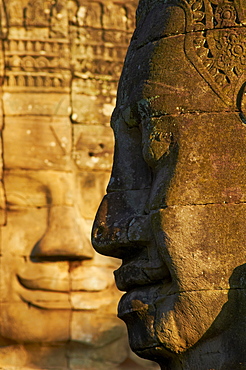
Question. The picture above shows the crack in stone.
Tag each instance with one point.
(197, 112)
(156, 39)
(197, 204)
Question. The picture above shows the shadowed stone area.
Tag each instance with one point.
(175, 210)
(59, 66)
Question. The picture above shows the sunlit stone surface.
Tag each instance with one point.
(175, 210)
(59, 64)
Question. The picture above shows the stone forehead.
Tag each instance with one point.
(214, 39)
(202, 14)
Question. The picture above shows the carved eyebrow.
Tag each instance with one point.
(17, 199)
(126, 114)
(38, 194)
(136, 112)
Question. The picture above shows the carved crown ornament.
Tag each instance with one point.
(215, 43)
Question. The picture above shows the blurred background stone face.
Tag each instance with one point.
(60, 63)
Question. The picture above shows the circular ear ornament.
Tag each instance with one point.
(215, 43)
(241, 102)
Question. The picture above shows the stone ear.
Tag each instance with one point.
(241, 102)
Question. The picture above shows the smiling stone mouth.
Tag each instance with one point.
(45, 283)
(84, 278)
(46, 300)
(47, 293)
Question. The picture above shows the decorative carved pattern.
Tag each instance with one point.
(14, 11)
(38, 80)
(114, 16)
(106, 88)
(102, 33)
(37, 63)
(37, 13)
(29, 13)
(216, 44)
(102, 67)
(48, 47)
(50, 38)
(100, 59)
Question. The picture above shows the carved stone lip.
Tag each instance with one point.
(140, 273)
(142, 298)
(138, 299)
(79, 301)
(47, 300)
(45, 283)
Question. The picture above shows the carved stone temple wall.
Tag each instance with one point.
(59, 66)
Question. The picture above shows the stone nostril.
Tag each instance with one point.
(64, 239)
(99, 231)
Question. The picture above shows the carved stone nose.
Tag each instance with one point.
(110, 234)
(65, 238)
(139, 229)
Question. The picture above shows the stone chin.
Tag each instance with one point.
(168, 326)
(16, 316)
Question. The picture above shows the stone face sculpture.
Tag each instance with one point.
(60, 61)
(175, 209)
